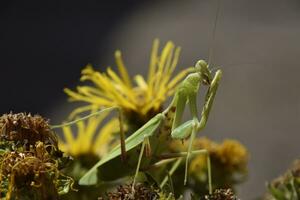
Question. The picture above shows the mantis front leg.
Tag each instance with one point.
(210, 95)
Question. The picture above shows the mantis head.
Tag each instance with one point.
(202, 68)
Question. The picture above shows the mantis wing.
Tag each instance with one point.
(90, 178)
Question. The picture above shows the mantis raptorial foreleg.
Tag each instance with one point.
(179, 100)
(210, 95)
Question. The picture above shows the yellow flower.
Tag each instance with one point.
(87, 138)
(233, 155)
(144, 98)
(230, 155)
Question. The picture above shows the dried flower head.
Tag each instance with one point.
(25, 130)
(26, 168)
(221, 194)
(139, 101)
(32, 171)
(140, 192)
(30, 160)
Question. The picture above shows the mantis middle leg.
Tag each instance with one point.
(180, 156)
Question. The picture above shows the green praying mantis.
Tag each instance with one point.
(165, 126)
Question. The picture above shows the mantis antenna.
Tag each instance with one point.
(211, 49)
(83, 118)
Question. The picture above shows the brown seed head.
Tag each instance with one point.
(27, 164)
(221, 194)
(141, 192)
(26, 130)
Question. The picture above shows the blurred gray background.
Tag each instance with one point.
(257, 46)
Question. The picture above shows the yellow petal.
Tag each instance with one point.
(167, 52)
(94, 99)
(91, 90)
(88, 69)
(171, 66)
(93, 124)
(114, 76)
(175, 59)
(122, 68)
(153, 59)
(81, 142)
(62, 146)
(141, 82)
(88, 91)
(68, 135)
(120, 85)
(105, 136)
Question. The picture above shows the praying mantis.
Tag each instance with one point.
(166, 126)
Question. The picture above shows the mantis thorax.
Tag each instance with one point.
(201, 75)
(191, 83)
